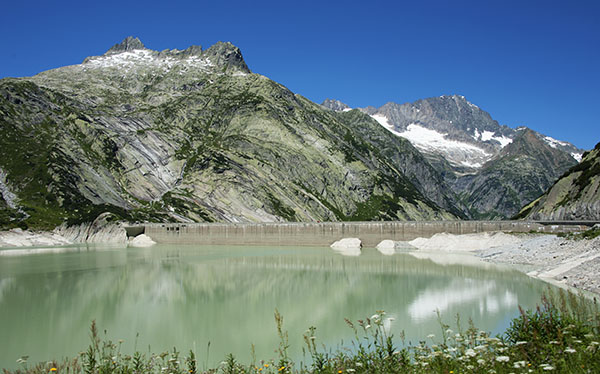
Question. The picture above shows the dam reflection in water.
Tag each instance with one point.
(186, 296)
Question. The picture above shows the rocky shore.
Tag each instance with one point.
(575, 263)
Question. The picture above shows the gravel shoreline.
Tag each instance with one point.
(575, 263)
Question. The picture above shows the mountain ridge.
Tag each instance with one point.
(196, 136)
(467, 146)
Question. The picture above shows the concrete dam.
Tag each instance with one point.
(325, 233)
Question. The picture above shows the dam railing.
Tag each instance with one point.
(325, 233)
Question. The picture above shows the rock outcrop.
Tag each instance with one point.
(575, 196)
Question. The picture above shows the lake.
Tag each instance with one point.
(187, 296)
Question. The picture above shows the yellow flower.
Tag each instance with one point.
(53, 369)
(451, 371)
(281, 368)
(266, 365)
(339, 372)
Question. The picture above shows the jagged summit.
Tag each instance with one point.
(131, 53)
(335, 105)
(128, 44)
(227, 55)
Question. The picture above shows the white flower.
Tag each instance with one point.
(570, 350)
(521, 342)
(471, 353)
(547, 367)
(449, 331)
(519, 364)
(359, 364)
(430, 336)
(481, 361)
(553, 342)
(502, 359)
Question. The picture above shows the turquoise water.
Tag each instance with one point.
(188, 296)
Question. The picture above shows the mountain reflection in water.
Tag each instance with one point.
(186, 296)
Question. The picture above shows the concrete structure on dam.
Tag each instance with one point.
(325, 233)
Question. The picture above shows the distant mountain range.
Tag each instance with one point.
(493, 169)
(193, 135)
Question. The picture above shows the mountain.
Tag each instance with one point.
(575, 196)
(193, 135)
(493, 169)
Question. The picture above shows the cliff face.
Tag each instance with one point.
(193, 135)
(576, 195)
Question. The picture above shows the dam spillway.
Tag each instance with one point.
(325, 233)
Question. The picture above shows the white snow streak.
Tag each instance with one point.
(554, 143)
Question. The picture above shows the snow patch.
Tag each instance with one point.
(577, 156)
(383, 121)
(346, 109)
(145, 58)
(487, 135)
(555, 143)
(432, 140)
(503, 140)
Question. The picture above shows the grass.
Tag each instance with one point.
(561, 335)
(592, 233)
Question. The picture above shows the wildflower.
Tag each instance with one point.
(340, 372)
(502, 358)
(359, 364)
(481, 361)
(570, 350)
(430, 336)
(281, 368)
(553, 342)
(547, 367)
(367, 327)
(451, 371)
(350, 370)
(391, 319)
(53, 369)
(577, 341)
(375, 316)
(266, 365)
(449, 331)
(521, 342)
(470, 352)
(519, 364)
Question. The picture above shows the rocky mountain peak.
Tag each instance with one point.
(335, 105)
(226, 55)
(128, 44)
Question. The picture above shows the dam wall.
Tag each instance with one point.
(325, 233)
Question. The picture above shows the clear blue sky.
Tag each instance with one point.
(532, 63)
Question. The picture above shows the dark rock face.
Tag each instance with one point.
(335, 105)
(128, 44)
(226, 55)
